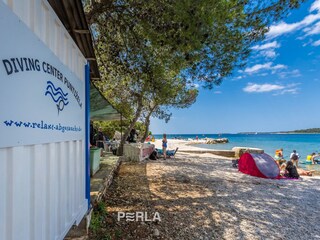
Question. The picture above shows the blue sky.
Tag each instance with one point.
(279, 89)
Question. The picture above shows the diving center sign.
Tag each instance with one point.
(42, 100)
(16, 65)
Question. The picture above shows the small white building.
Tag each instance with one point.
(44, 117)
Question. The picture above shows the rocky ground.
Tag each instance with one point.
(203, 197)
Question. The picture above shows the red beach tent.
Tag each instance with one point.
(259, 165)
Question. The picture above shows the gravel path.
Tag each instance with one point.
(203, 197)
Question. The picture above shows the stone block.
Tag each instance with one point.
(241, 150)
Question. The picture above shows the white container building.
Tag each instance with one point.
(44, 116)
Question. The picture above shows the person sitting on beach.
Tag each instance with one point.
(303, 172)
(283, 169)
(291, 171)
(153, 155)
(300, 171)
(294, 157)
(279, 159)
(309, 157)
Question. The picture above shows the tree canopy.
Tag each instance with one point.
(153, 53)
(202, 41)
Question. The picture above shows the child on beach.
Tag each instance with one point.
(279, 153)
(279, 158)
(164, 146)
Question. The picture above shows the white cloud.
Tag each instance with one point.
(267, 87)
(266, 66)
(283, 28)
(269, 45)
(217, 92)
(267, 50)
(237, 78)
(259, 88)
(316, 43)
(269, 53)
(290, 91)
(315, 29)
(309, 19)
(278, 66)
(293, 73)
(258, 67)
(315, 6)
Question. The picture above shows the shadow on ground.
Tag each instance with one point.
(205, 198)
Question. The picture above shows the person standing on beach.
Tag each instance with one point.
(164, 146)
(100, 138)
(313, 156)
(294, 157)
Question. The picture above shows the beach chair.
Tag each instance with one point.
(169, 153)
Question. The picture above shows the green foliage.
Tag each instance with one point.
(203, 41)
(110, 127)
(98, 217)
(153, 53)
(309, 130)
(95, 223)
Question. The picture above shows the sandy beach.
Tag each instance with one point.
(183, 145)
(201, 196)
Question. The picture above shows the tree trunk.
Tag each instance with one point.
(127, 132)
(146, 124)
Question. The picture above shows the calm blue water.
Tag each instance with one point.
(304, 143)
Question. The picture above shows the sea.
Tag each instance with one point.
(304, 144)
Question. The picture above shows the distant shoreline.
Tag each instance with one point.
(244, 133)
(281, 133)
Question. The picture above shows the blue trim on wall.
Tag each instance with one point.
(87, 140)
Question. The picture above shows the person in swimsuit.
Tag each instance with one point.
(164, 145)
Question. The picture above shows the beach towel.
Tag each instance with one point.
(288, 178)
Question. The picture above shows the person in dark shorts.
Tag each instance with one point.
(164, 145)
(291, 171)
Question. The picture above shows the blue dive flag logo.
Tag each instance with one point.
(57, 95)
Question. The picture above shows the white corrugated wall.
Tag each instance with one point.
(42, 187)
